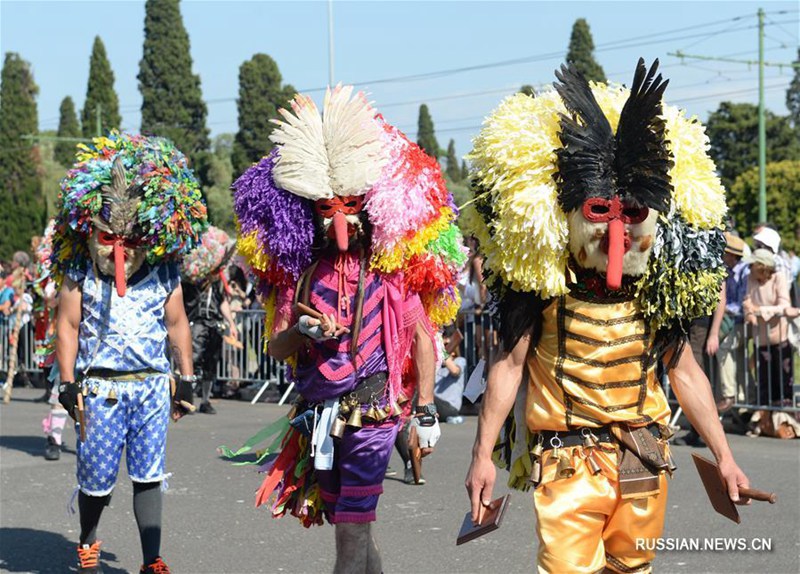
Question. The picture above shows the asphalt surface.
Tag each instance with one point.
(211, 525)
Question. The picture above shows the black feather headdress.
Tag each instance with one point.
(594, 162)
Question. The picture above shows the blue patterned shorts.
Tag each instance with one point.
(137, 420)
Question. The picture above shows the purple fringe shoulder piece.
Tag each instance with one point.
(283, 222)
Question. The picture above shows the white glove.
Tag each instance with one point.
(428, 436)
(312, 331)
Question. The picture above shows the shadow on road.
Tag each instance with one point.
(32, 445)
(27, 550)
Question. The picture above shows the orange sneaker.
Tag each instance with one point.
(89, 558)
(157, 567)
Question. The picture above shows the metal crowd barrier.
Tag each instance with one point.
(247, 362)
(27, 358)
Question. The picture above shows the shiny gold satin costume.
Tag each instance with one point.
(593, 365)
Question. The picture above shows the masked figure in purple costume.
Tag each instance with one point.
(350, 232)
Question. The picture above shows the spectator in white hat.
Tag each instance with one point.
(766, 237)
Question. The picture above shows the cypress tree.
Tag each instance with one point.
(793, 96)
(426, 139)
(260, 96)
(581, 52)
(172, 102)
(100, 92)
(68, 127)
(21, 206)
(452, 168)
(464, 171)
(528, 90)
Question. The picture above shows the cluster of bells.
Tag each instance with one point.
(353, 408)
(86, 390)
(565, 468)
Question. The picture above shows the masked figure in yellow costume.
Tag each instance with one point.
(600, 218)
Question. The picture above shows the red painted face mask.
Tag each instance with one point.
(338, 208)
(119, 244)
(616, 241)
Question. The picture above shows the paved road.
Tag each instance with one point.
(212, 527)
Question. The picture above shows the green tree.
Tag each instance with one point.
(21, 205)
(452, 168)
(783, 201)
(464, 172)
(260, 96)
(581, 52)
(793, 96)
(68, 127)
(733, 131)
(426, 138)
(528, 90)
(100, 94)
(172, 102)
(219, 198)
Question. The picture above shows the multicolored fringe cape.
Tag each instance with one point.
(171, 215)
(414, 238)
(524, 236)
(209, 256)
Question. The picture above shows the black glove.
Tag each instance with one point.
(68, 396)
(184, 395)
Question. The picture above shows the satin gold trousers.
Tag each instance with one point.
(585, 526)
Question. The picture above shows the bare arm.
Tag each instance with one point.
(180, 336)
(452, 366)
(693, 391)
(286, 341)
(501, 391)
(225, 309)
(712, 344)
(68, 323)
(424, 364)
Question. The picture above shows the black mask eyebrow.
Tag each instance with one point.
(594, 162)
(586, 157)
(642, 160)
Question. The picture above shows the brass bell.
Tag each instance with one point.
(396, 410)
(536, 471)
(380, 415)
(589, 440)
(388, 409)
(593, 466)
(355, 418)
(95, 390)
(337, 428)
(112, 395)
(565, 468)
(671, 463)
(536, 451)
(85, 390)
(344, 408)
(372, 413)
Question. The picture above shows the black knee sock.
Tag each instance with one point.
(401, 444)
(91, 507)
(147, 509)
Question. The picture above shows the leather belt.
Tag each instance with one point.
(576, 437)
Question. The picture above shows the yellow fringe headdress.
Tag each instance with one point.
(523, 230)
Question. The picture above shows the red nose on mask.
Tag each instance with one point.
(338, 208)
(119, 244)
(616, 241)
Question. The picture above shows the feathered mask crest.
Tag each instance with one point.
(634, 163)
(120, 202)
(337, 153)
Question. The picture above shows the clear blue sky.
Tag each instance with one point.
(385, 40)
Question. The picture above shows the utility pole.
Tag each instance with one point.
(762, 126)
(330, 42)
(762, 129)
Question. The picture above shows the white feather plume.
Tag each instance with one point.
(340, 153)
